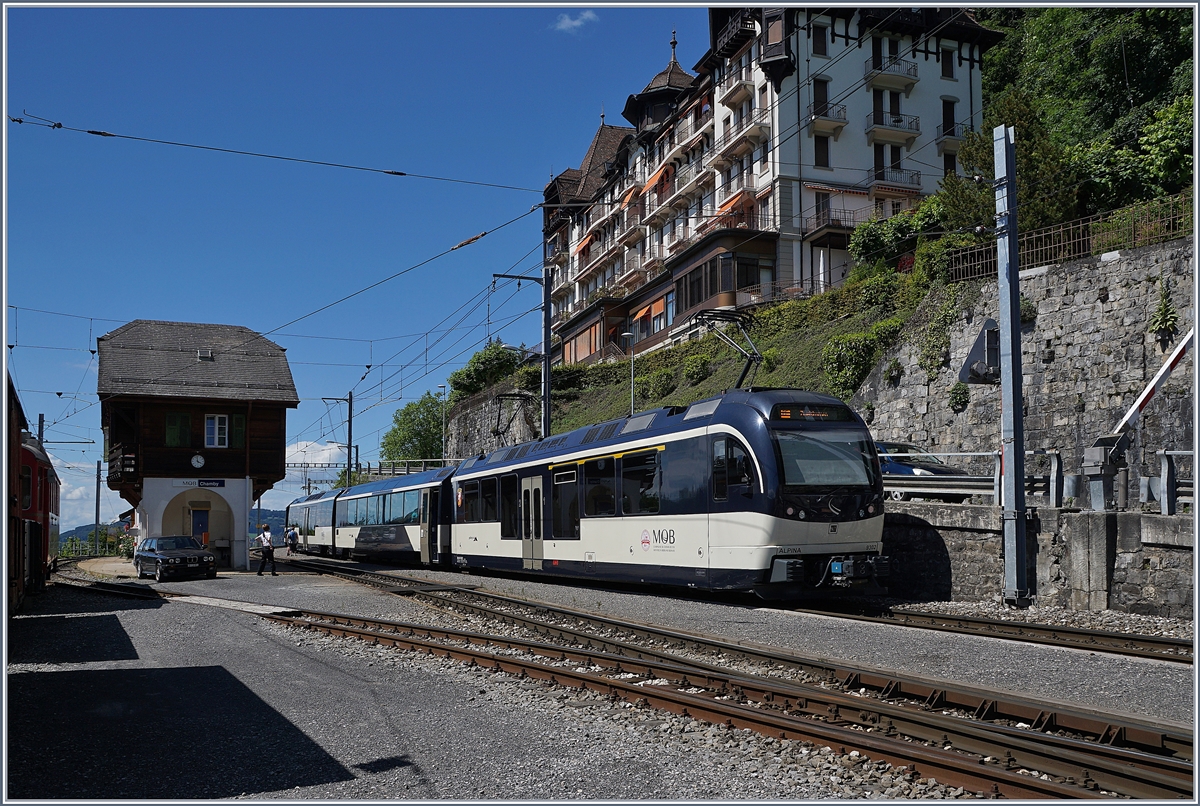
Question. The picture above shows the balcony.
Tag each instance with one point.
(738, 184)
(826, 119)
(694, 128)
(557, 254)
(950, 136)
(892, 128)
(737, 32)
(890, 74)
(122, 464)
(898, 181)
(630, 232)
(740, 218)
(735, 87)
(838, 219)
(743, 135)
(686, 180)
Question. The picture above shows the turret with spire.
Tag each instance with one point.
(654, 104)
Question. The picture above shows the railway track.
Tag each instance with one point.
(1073, 747)
(1165, 648)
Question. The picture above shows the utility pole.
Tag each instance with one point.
(97, 551)
(546, 282)
(1012, 425)
(349, 401)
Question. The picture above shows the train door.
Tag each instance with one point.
(430, 528)
(533, 520)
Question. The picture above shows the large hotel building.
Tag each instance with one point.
(740, 181)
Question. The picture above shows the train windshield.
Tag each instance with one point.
(836, 457)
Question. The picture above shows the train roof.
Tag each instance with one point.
(390, 484)
(654, 422)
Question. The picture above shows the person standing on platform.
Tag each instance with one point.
(268, 551)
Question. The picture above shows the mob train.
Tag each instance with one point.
(33, 508)
(775, 491)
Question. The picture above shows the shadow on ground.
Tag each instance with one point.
(193, 732)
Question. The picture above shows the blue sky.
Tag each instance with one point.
(108, 230)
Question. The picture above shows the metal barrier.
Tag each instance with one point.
(1048, 485)
(1172, 489)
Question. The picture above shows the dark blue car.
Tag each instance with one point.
(922, 463)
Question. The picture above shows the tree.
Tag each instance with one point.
(485, 368)
(416, 431)
(1045, 179)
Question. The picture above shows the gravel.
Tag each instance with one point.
(271, 712)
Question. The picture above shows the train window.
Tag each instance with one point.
(342, 516)
(470, 493)
(373, 510)
(363, 505)
(27, 487)
(412, 507)
(487, 495)
(599, 484)
(396, 508)
(525, 532)
(731, 466)
(537, 517)
(639, 483)
(510, 505)
(565, 504)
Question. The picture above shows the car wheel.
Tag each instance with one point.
(137, 566)
(212, 574)
(159, 576)
(899, 495)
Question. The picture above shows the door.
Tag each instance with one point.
(533, 520)
(432, 532)
(200, 525)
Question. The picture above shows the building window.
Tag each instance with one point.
(820, 40)
(947, 63)
(821, 149)
(949, 165)
(179, 430)
(216, 431)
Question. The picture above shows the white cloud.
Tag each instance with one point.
(571, 25)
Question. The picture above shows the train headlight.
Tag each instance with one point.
(801, 515)
(870, 509)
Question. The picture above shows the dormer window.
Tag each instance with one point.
(204, 355)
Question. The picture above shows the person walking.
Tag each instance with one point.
(292, 540)
(268, 551)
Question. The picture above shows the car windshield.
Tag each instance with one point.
(833, 458)
(173, 543)
(922, 454)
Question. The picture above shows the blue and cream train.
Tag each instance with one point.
(777, 491)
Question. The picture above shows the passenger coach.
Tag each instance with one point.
(775, 491)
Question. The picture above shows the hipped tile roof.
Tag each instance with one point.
(161, 359)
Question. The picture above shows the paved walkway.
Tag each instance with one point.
(122, 568)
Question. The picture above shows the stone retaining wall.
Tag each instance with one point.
(1128, 561)
(1084, 359)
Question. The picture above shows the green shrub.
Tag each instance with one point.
(847, 360)
(654, 386)
(960, 395)
(696, 369)
(771, 359)
(1028, 310)
(935, 342)
(894, 371)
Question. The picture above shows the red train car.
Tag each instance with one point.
(33, 507)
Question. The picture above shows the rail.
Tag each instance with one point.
(1048, 484)
(1137, 225)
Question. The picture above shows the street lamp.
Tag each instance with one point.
(629, 336)
(442, 393)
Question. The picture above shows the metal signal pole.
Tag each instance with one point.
(97, 506)
(546, 282)
(1012, 427)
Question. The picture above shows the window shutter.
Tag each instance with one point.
(237, 432)
(178, 430)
